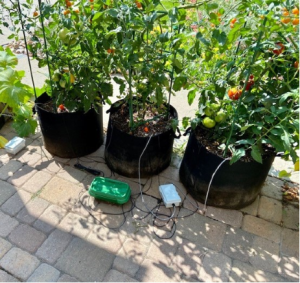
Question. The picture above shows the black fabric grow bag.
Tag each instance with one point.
(122, 151)
(2, 121)
(234, 186)
(70, 135)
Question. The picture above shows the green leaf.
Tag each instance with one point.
(296, 123)
(191, 96)
(24, 127)
(179, 82)
(7, 59)
(24, 110)
(12, 91)
(255, 153)
(113, 12)
(247, 141)
(174, 124)
(220, 37)
(284, 173)
(286, 140)
(284, 97)
(185, 122)
(200, 37)
(195, 122)
(237, 154)
(246, 127)
(211, 6)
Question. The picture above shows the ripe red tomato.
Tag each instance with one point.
(280, 48)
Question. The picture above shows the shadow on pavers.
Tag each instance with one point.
(48, 235)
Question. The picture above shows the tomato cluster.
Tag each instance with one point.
(287, 18)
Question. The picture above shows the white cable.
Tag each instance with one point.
(211, 179)
(141, 192)
(140, 166)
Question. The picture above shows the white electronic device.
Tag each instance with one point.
(169, 195)
(15, 145)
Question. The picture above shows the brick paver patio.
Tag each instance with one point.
(47, 234)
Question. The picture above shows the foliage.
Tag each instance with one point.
(15, 95)
(246, 76)
(146, 42)
(61, 35)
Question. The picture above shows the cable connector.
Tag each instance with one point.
(89, 170)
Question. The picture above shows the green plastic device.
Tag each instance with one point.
(110, 190)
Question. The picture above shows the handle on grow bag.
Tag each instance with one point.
(116, 105)
(179, 133)
(187, 131)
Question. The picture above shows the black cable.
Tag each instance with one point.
(106, 213)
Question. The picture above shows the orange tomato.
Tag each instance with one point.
(285, 20)
(61, 107)
(111, 51)
(146, 129)
(234, 93)
(92, 1)
(231, 25)
(138, 4)
(69, 4)
(295, 11)
(66, 12)
(295, 21)
(35, 13)
(286, 13)
(233, 21)
(296, 64)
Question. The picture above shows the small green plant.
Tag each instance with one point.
(15, 95)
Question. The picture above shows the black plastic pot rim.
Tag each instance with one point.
(63, 113)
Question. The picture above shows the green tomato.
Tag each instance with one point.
(62, 83)
(56, 76)
(208, 122)
(63, 34)
(221, 116)
(215, 106)
(208, 111)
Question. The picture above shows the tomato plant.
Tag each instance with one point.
(74, 50)
(247, 64)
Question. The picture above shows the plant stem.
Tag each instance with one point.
(189, 6)
(130, 99)
(6, 105)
